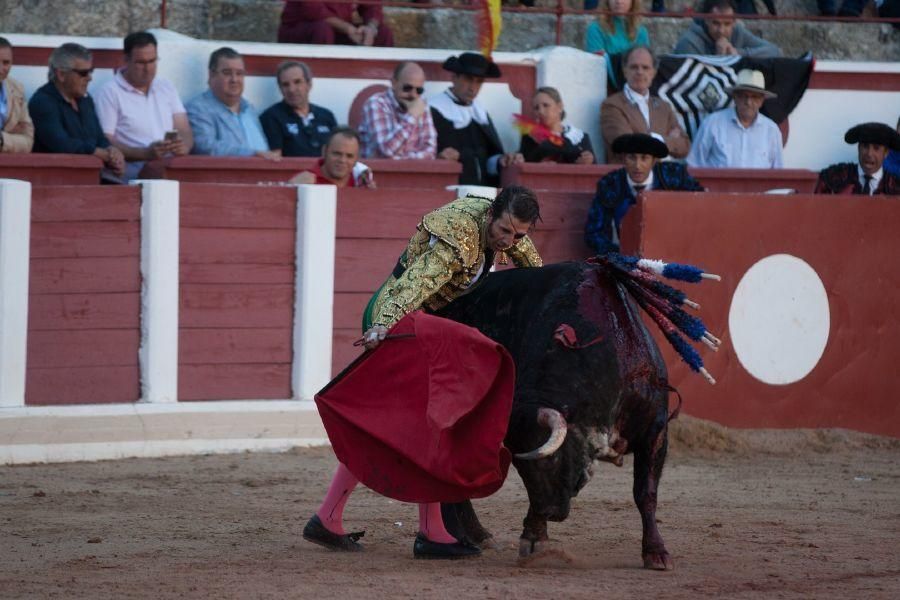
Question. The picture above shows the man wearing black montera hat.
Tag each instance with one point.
(617, 191)
(866, 177)
(464, 129)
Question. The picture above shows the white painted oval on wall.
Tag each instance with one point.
(779, 319)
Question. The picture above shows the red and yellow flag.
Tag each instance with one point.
(489, 22)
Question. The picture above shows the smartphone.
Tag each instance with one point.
(171, 136)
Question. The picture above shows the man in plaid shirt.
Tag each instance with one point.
(397, 123)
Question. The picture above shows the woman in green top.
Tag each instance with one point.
(615, 32)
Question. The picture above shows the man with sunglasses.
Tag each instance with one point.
(452, 250)
(140, 113)
(64, 116)
(397, 123)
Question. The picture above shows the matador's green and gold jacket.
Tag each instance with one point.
(440, 262)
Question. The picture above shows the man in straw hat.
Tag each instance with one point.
(867, 176)
(464, 128)
(739, 136)
(617, 191)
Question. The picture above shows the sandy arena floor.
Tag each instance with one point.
(765, 514)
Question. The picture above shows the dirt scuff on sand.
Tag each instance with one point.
(745, 514)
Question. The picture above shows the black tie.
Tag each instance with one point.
(867, 188)
(638, 189)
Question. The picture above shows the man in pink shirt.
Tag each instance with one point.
(141, 113)
(347, 23)
(397, 123)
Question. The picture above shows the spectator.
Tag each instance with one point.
(224, 123)
(721, 34)
(64, 115)
(634, 110)
(464, 128)
(617, 191)
(397, 123)
(295, 126)
(140, 113)
(334, 23)
(16, 130)
(571, 144)
(739, 136)
(867, 177)
(659, 6)
(338, 165)
(613, 34)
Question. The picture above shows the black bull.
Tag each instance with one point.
(609, 384)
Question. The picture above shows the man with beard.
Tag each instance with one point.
(465, 131)
(866, 177)
(295, 126)
(397, 123)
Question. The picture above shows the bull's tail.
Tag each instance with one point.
(663, 303)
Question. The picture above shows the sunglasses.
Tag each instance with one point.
(82, 72)
(409, 87)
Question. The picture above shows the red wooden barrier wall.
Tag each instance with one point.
(51, 169)
(852, 244)
(583, 178)
(236, 308)
(430, 174)
(84, 296)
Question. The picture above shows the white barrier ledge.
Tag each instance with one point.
(15, 235)
(314, 296)
(103, 432)
(158, 353)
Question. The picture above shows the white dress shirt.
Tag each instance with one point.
(876, 179)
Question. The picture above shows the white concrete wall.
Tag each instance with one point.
(817, 124)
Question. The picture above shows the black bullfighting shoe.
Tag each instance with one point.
(316, 533)
(425, 548)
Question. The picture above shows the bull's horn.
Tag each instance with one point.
(547, 417)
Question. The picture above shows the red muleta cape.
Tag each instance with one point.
(422, 417)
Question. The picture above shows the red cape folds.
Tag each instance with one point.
(422, 417)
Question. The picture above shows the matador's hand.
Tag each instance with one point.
(374, 336)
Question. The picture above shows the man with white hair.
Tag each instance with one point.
(739, 136)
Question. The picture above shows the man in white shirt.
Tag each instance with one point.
(141, 113)
(739, 136)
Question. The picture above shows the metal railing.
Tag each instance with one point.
(560, 10)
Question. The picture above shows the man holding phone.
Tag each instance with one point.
(397, 123)
(141, 113)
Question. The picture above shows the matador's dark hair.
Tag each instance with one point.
(519, 201)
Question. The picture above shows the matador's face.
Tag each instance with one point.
(504, 231)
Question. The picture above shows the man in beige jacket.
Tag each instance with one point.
(634, 110)
(17, 131)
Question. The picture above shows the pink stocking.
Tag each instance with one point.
(431, 524)
(331, 512)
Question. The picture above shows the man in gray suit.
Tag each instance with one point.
(225, 124)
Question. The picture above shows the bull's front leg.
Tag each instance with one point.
(649, 457)
(533, 535)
